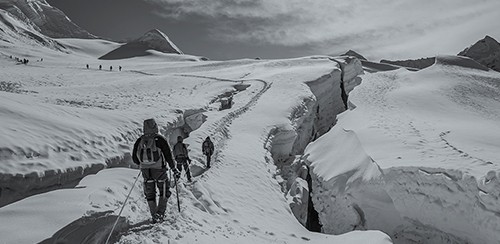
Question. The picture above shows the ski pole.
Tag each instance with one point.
(123, 206)
(177, 194)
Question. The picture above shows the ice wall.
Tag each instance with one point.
(314, 117)
(445, 205)
(347, 185)
(410, 204)
(316, 114)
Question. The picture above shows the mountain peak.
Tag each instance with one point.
(151, 40)
(485, 51)
(354, 54)
(159, 41)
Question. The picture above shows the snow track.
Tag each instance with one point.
(196, 193)
(219, 130)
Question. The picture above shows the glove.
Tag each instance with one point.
(177, 174)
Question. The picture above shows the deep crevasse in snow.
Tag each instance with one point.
(310, 121)
(417, 158)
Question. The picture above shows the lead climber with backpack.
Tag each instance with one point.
(152, 153)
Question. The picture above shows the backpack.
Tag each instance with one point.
(180, 150)
(149, 154)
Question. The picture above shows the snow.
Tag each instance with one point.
(416, 156)
(58, 116)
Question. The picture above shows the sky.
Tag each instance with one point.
(231, 29)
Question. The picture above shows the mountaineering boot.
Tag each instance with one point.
(162, 206)
(152, 208)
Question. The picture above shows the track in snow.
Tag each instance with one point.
(219, 135)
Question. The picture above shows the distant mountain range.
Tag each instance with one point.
(36, 22)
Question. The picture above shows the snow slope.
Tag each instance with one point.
(416, 156)
(61, 120)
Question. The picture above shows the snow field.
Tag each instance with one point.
(238, 200)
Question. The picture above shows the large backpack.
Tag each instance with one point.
(149, 154)
(180, 151)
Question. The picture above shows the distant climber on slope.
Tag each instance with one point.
(181, 156)
(152, 152)
(208, 149)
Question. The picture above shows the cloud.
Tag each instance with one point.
(331, 25)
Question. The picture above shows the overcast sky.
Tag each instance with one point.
(229, 29)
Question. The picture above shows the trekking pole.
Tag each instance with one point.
(177, 194)
(123, 206)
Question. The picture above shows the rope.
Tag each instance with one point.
(121, 210)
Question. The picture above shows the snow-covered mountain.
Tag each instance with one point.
(486, 51)
(153, 40)
(353, 53)
(15, 32)
(44, 18)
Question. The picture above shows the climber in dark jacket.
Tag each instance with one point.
(152, 153)
(181, 156)
(208, 149)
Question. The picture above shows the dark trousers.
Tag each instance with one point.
(209, 157)
(156, 178)
(182, 162)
